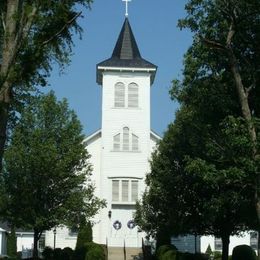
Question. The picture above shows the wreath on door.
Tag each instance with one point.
(117, 225)
(131, 224)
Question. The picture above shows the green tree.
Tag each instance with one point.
(12, 244)
(227, 31)
(190, 195)
(33, 34)
(46, 173)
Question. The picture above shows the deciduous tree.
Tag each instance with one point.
(33, 35)
(46, 170)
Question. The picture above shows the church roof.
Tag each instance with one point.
(126, 55)
(97, 134)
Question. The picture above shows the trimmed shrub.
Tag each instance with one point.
(185, 256)
(84, 235)
(47, 253)
(217, 255)
(243, 252)
(94, 252)
(67, 253)
(57, 254)
(80, 253)
(199, 256)
(169, 255)
(209, 250)
(163, 249)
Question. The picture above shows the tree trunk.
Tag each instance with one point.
(163, 237)
(258, 245)
(35, 243)
(195, 243)
(4, 107)
(8, 53)
(225, 246)
(247, 115)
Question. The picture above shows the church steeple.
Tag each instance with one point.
(126, 47)
(126, 56)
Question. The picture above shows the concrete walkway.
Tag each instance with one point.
(117, 253)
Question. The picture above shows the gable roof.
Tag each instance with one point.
(125, 55)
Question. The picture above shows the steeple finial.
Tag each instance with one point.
(126, 7)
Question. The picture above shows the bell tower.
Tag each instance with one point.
(126, 79)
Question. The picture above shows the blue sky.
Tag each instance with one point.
(154, 24)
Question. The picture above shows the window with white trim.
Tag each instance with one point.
(119, 95)
(218, 244)
(134, 190)
(254, 240)
(115, 190)
(125, 190)
(116, 142)
(134, 142)
(126, 141)
(132, 95)
(126, 96)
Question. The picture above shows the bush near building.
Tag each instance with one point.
(243, 252)
(169, 252)
(90, 251)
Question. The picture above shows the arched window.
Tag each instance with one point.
(117, 142)
(119, 95)
(125, 139)
(133, 95)
(134, 143)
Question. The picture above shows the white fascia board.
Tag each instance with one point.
(124, 69)
(155, 135)
(92, 135)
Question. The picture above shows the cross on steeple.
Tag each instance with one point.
(126, 7)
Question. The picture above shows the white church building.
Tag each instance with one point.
(120, 150)
(120, 153)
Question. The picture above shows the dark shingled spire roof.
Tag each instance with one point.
(126, 54)
(126, 47)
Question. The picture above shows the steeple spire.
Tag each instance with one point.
(126, 55)
(126, 47)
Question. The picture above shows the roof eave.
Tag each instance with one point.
(101, 69)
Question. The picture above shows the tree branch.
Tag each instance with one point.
(3, 20)
(230, 35)
(213, 44)
(62, 29)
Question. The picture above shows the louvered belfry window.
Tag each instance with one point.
(119, 95)
(134, 143)
(117, 142)
(132, 95)
(125, 139)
